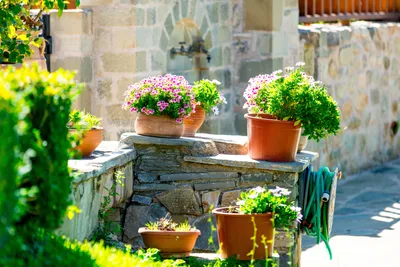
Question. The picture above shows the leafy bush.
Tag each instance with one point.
(207, 95)
(44, 183)
(260, 200)
(83, 120)
(19, 31)
(168, 95)
(296, 97)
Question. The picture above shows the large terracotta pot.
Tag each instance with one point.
(326, 10)
(235, 232)
(271, 139)
(386, 4)
(170, 243)
(193, 123)
(160, 126)
(90, 141)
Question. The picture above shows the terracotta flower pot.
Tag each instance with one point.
(303, 141)
(90, 141)
(193, 123)
(271, 139)
(235, 230)
(160, 126)
(170, 243)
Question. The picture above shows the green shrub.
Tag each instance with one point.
(44, 183)
(207, 95)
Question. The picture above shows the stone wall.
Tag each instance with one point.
(360, 66)
(183, 178)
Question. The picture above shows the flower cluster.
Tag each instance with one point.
(261, 200)
(207, 95)
(292, 95)
(168, 95)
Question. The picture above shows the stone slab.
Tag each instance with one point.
(105, 157)
(215, 185)
(228, 144)
(198, 176)
(303, 159)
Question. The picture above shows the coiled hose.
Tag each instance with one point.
(315, 203)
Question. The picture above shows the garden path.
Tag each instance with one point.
(366, 229)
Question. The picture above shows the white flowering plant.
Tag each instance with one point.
(260, 200)
(206, 95)
(292, 95)
(168, 95)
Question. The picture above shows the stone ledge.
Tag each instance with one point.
(303, 159)
(105, 157)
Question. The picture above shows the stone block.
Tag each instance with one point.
(70, 44)
(138, 216)
(210, 199)
(210, 126)
(221, 34)
(264, 43)
(216, 57)
(202, 223)
(169, 25)
(375, 96)
(346, 55)
(102, 40)
(227, 56)
(142, 199)
(163, 41)
(198, 176)
(249, 69)
(263, 15)
(153, 187)
(258, 177)
(147, 177)
(120, 16)
(213, 12)
(180, 201)
(104, 88)
(83, 65)
(214, 185)
(333, 38)
(92, 3)
(227, 127)
(124, 62)
(229, 198)
(224, 12)
(75, 21)
(124, 38)
(151, 16)
(158, 61)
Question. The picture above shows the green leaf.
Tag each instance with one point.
(297, 123)
(286, 118)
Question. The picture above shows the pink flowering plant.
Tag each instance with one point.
(292, 95)
(167, 95)
(206, 95)
(261, 200)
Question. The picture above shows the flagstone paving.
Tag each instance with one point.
(366, 230)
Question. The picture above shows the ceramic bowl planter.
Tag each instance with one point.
(158, 126)
(271, 139)
(170, 243)
(193, 123)
(238, 243)
(90, 141)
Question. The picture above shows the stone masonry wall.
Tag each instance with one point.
(360, 66)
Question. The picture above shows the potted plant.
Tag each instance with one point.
(279, 105)
(260, 209)
(20, 30)
(206, 98)
(88, 129)
(163, 102)
(172, 239)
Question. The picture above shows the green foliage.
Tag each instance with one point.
(207, 95)
(166, 224)
(43, 182)
(259, 200)
(107, 227)
(83, 120)
(295, 97)
(19, 31)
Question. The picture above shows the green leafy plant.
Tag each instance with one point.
(261, 200)
(166, 224)
(295, 96)
(167, 95)
(19, 30)
(207, 95)
(83, 120)
(107, 228)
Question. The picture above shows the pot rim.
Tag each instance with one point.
(164, 232)
(93, 129)
(253, 116)
(220, 212)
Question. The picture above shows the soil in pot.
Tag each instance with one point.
(90, 141)
(271, 139)
(193, 123)
(159, 126)
(237, 243)
(170, 243)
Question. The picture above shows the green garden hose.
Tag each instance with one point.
(315, 201)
